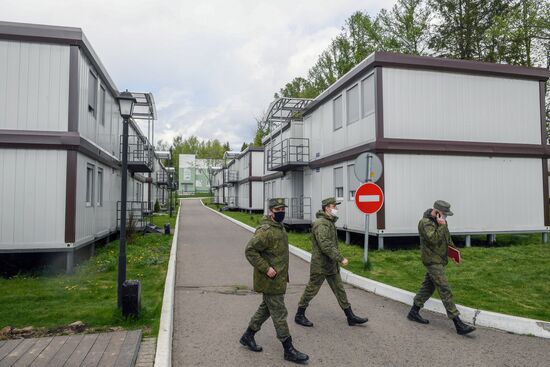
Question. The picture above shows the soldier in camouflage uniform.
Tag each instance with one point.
(267, 251)
(325, 260)
(434, 240)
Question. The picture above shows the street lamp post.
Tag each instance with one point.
(126, 102)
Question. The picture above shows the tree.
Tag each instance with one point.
(243, 147)
(406, 27)
(462, 25)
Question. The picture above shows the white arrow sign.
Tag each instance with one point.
(369, 198)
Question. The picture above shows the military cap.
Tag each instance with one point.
(444, 207)
(277, 203)
(329, 201)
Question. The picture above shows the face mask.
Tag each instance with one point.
(279, 216)
(333, 212)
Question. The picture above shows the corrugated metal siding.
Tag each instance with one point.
(106, 136)
(257, 195)
(320, 185)
(34, 86)
(486, 194)
(257, 163)
(447, 106)
(324, 140)
(95, 221)
(33, 212)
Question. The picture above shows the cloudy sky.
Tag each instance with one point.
(212, 65)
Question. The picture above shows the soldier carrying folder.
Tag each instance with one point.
(434, 241)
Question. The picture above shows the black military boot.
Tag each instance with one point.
(414, 315)
(248, 341)
(461, 327)
(301, 318)
(292, 354)
(354, 319)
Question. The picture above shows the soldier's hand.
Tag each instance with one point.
(440, 219)
(271, 272)
(345, 262)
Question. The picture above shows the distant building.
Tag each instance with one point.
(195, 174)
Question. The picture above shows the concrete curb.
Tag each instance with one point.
(512, 324)
(163, 355)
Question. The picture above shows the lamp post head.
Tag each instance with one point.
(126, 102)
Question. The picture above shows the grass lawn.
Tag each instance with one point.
(512, 278)
(90, 294)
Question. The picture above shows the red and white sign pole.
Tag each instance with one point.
(369, 198)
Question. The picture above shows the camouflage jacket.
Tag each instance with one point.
(269, 248)
(434, 240)
(325, 256)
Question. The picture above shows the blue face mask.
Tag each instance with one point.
(279, 216)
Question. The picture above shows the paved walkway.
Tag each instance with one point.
(118, 349)
(213, 304)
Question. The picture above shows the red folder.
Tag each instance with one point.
(454, 254)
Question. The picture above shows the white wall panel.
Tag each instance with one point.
(95, 221)
(486, 194)
(448, 106)
(32, 193)
(34, 86)
(324, 140)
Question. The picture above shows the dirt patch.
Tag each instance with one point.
(77, 327)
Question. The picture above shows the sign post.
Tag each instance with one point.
(369, 197)
(366, 239)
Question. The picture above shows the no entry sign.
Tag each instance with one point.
(369, 198)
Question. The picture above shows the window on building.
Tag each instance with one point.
(339, 183)
(92, 93)
(337, 112)
(187, 174)
(352, 104)
(99, 187)
(102, 101)
(353, 182)
(367, 89)
(139, 191)
(89, 185)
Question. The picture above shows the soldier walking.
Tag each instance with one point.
(434, 240)
(325, 260)
(267, 251)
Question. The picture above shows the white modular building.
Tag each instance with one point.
(238, 184)
(60, 143)
(287, 156)
(470, 133)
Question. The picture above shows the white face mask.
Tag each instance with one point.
(333, 212)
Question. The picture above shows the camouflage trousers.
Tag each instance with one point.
(315, 283)
(436, 279)
(274, 306)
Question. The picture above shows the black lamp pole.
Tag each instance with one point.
(126, 101)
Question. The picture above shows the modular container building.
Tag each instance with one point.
(238, 184)
(287, 155)
(60, 134)
(468, 132)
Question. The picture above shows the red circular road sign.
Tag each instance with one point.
(369, 198)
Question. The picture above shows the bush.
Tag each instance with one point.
(156, 208)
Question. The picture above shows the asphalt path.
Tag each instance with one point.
(214, 302)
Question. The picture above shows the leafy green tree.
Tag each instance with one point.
(406, 27)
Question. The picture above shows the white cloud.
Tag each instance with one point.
(212, 65)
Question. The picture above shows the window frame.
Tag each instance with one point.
(102, 97)
(340, 100)
(92, 92)
(363, 102)
(338, 188)
(90, 186)
(100, 181)
(358, 107)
